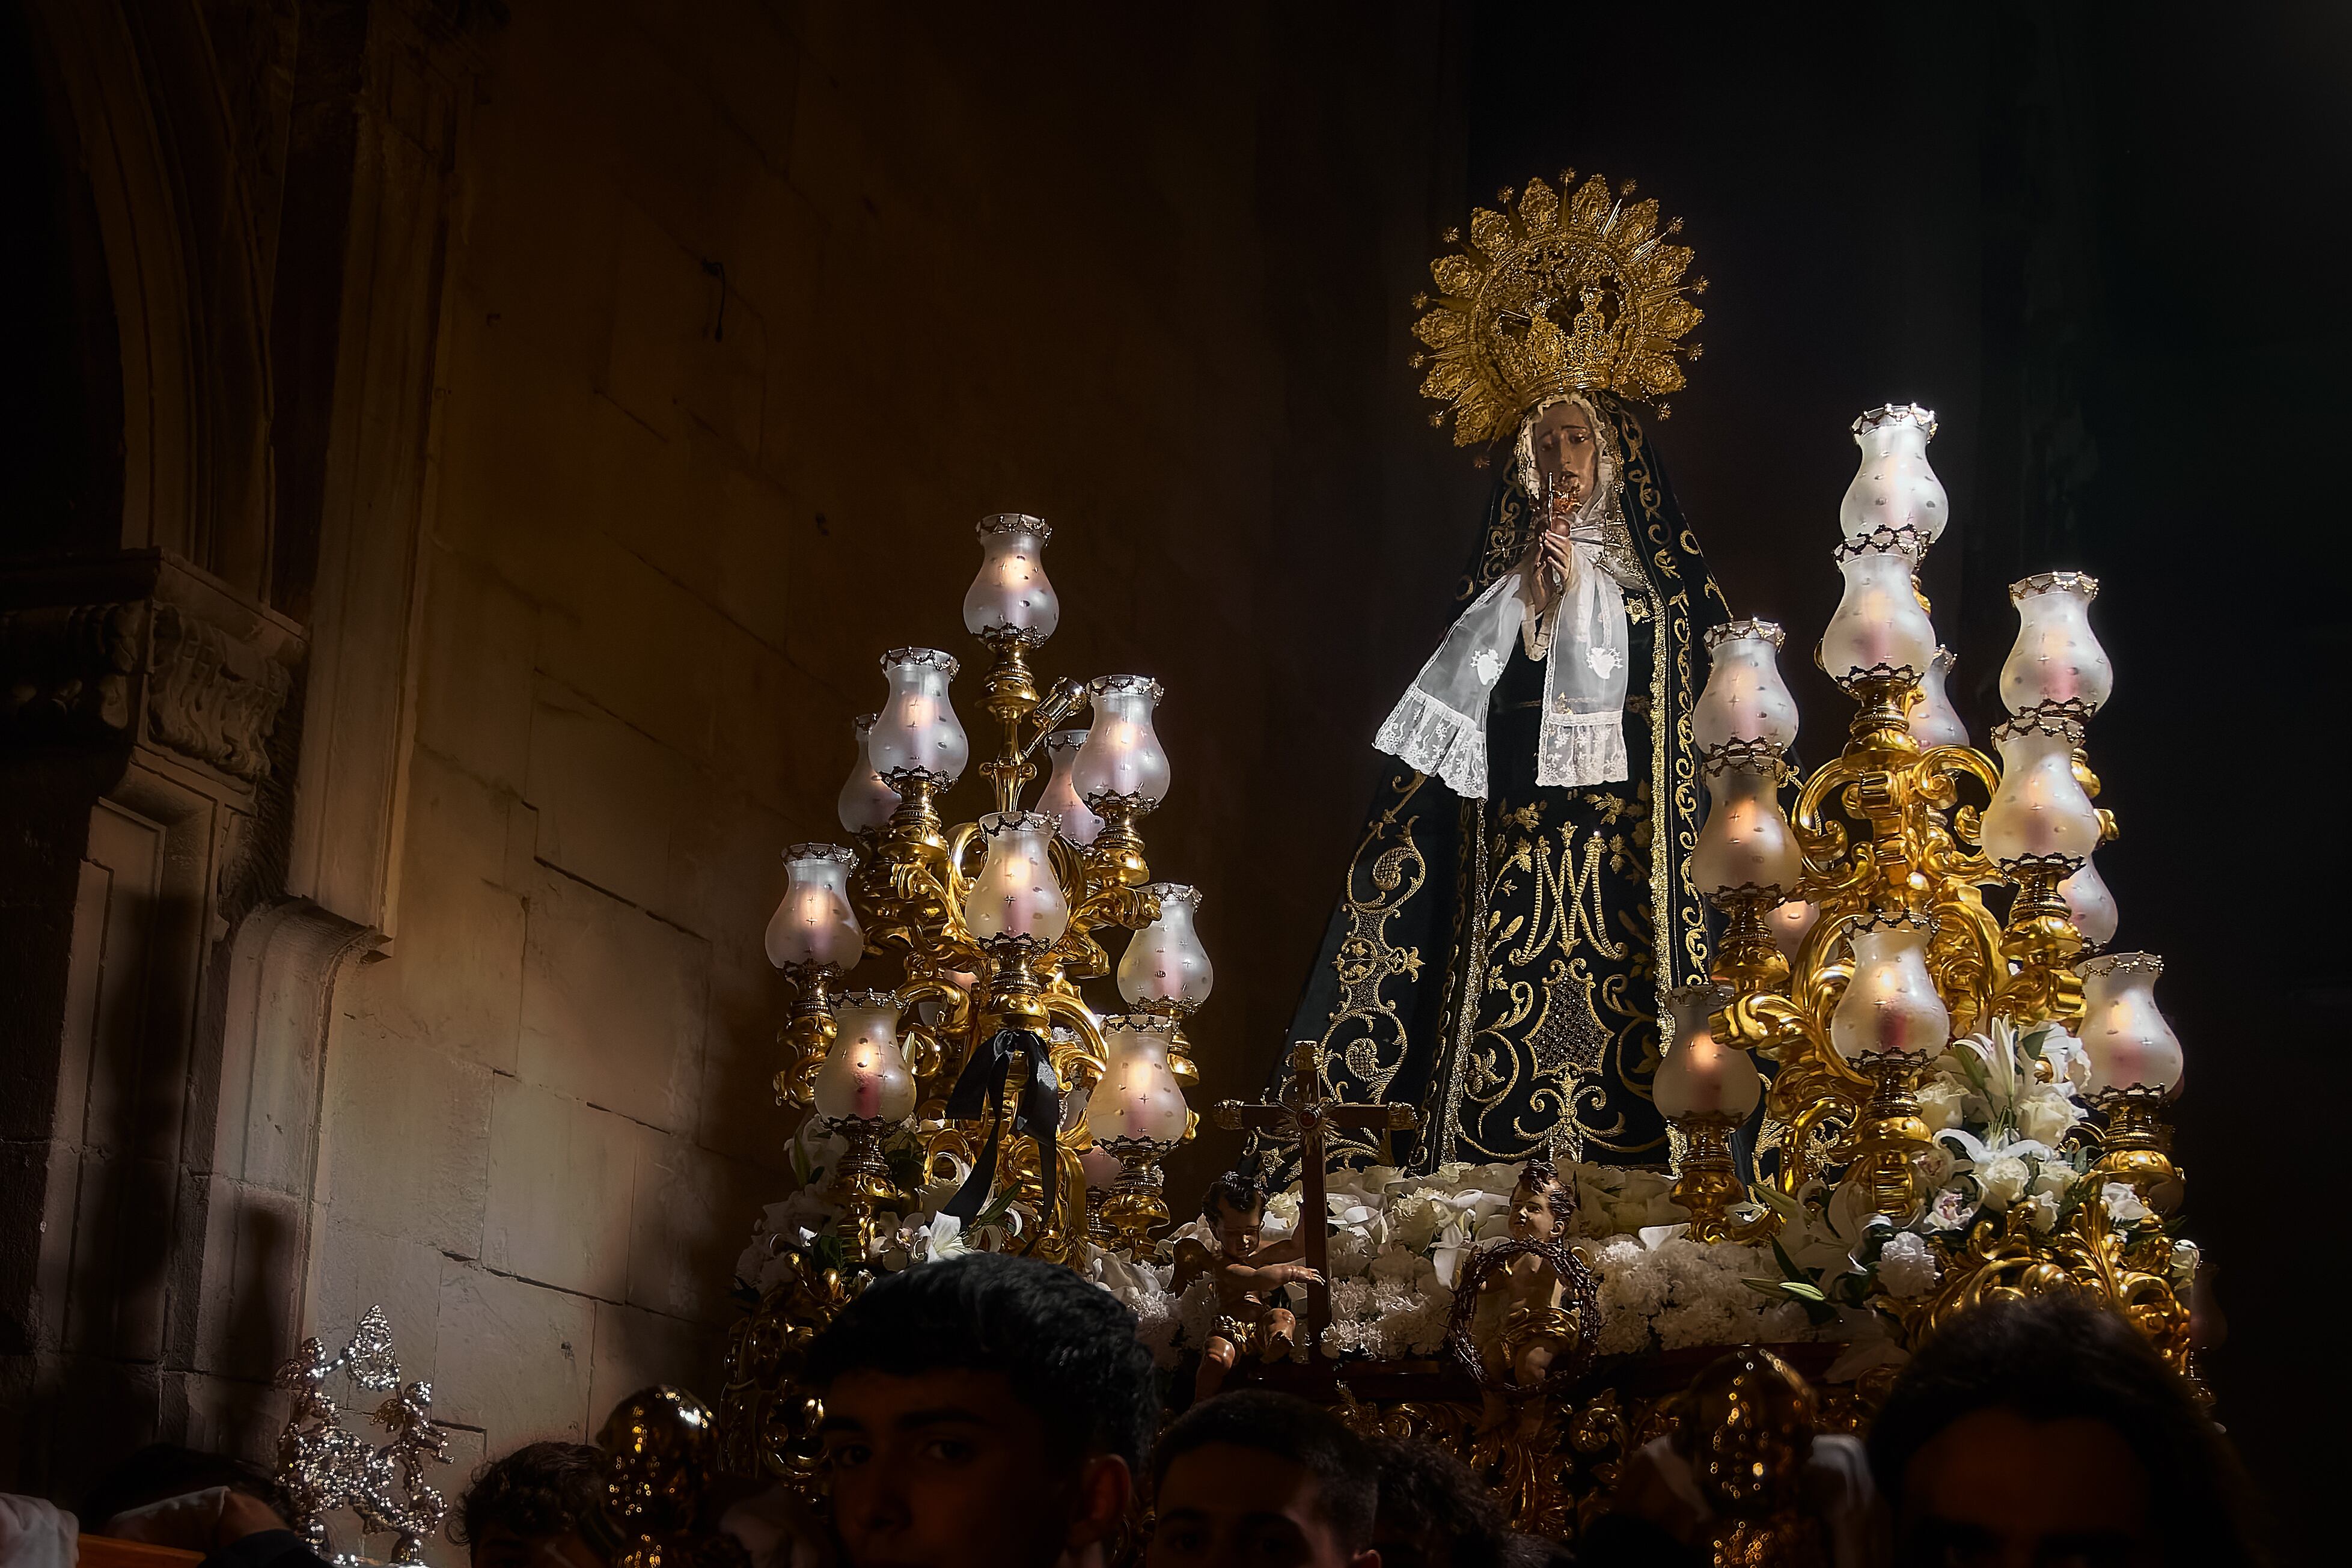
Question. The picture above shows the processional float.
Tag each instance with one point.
(1951, 1092)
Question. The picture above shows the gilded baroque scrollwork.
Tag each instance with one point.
(767, 1421)
(2007, 1260)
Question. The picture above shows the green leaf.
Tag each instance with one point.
(1973, 1067)
(1809, 1297)
(1789, 1269)
(996, 1207)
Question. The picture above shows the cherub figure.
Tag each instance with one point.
(1247, 1274)
(1536, 1328)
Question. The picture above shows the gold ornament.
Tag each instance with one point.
(2006, 1261)
(1746, 1430)
(663, 1442)
(1551, 296)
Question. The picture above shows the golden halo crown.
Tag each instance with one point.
(1552, 296)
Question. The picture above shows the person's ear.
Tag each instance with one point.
(1104, 1485)
(1370, 1557)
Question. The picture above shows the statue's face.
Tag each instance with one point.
(1565, 450)
(1534, 1217)
(1238, 1229)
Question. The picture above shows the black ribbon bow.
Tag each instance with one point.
(980, 1092)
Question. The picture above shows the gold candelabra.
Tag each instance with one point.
(1893, 845)
(995, 924)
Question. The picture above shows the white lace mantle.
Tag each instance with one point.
(1439, 727)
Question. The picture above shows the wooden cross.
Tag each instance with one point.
(1302, 1114)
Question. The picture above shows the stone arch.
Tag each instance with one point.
(187, 258)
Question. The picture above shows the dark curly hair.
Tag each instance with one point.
(1434, 1513)
(1238, 1191)
(1347, 1489)
(1536, 1176)
(1067, 1346)
(539, 1490)
(2055, 1358)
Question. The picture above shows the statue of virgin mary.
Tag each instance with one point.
(1520, 899)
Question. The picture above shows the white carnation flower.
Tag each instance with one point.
(1907, 1266)
(1196, 1311)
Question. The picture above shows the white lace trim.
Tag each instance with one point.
(1579, 750)
(1432, 738)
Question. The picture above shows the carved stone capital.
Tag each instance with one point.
(146, 649)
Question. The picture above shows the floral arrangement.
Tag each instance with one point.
(1398, 1242)
(2003, 1108)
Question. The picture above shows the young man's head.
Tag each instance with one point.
(2051, 1430)
(1263, 1478)
(1235, 1210)
(982, 1410)
(537, 1508)
(1434, 1513)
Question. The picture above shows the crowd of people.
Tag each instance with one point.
(991, 1410)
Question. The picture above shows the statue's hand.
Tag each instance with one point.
(1554, 548)
(1548, 569)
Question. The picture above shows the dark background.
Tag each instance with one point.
(2104, 243)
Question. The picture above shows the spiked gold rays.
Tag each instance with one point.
(1549, 297)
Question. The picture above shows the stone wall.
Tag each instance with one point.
(754, 312)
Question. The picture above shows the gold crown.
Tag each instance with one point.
(1551, 297)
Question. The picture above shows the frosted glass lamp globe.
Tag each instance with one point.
(1016, 894)
(1745, 699)
(1122, 759)
(2039, 815)
(1060, 799)
(1011, 594)
(2056, 661)
(865, 1075)
(2128, 1039)
(918, 731)
(1894, 489)
(2091, 905)
(1879, 629)
(1165, 963)
(1933, 720)
(1700, 1075)
(1890, 1006)
(814, 924)
(1746, 844)
(866, 802)
(1138, 1096)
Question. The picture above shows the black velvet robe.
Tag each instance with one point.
(1498, 964)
